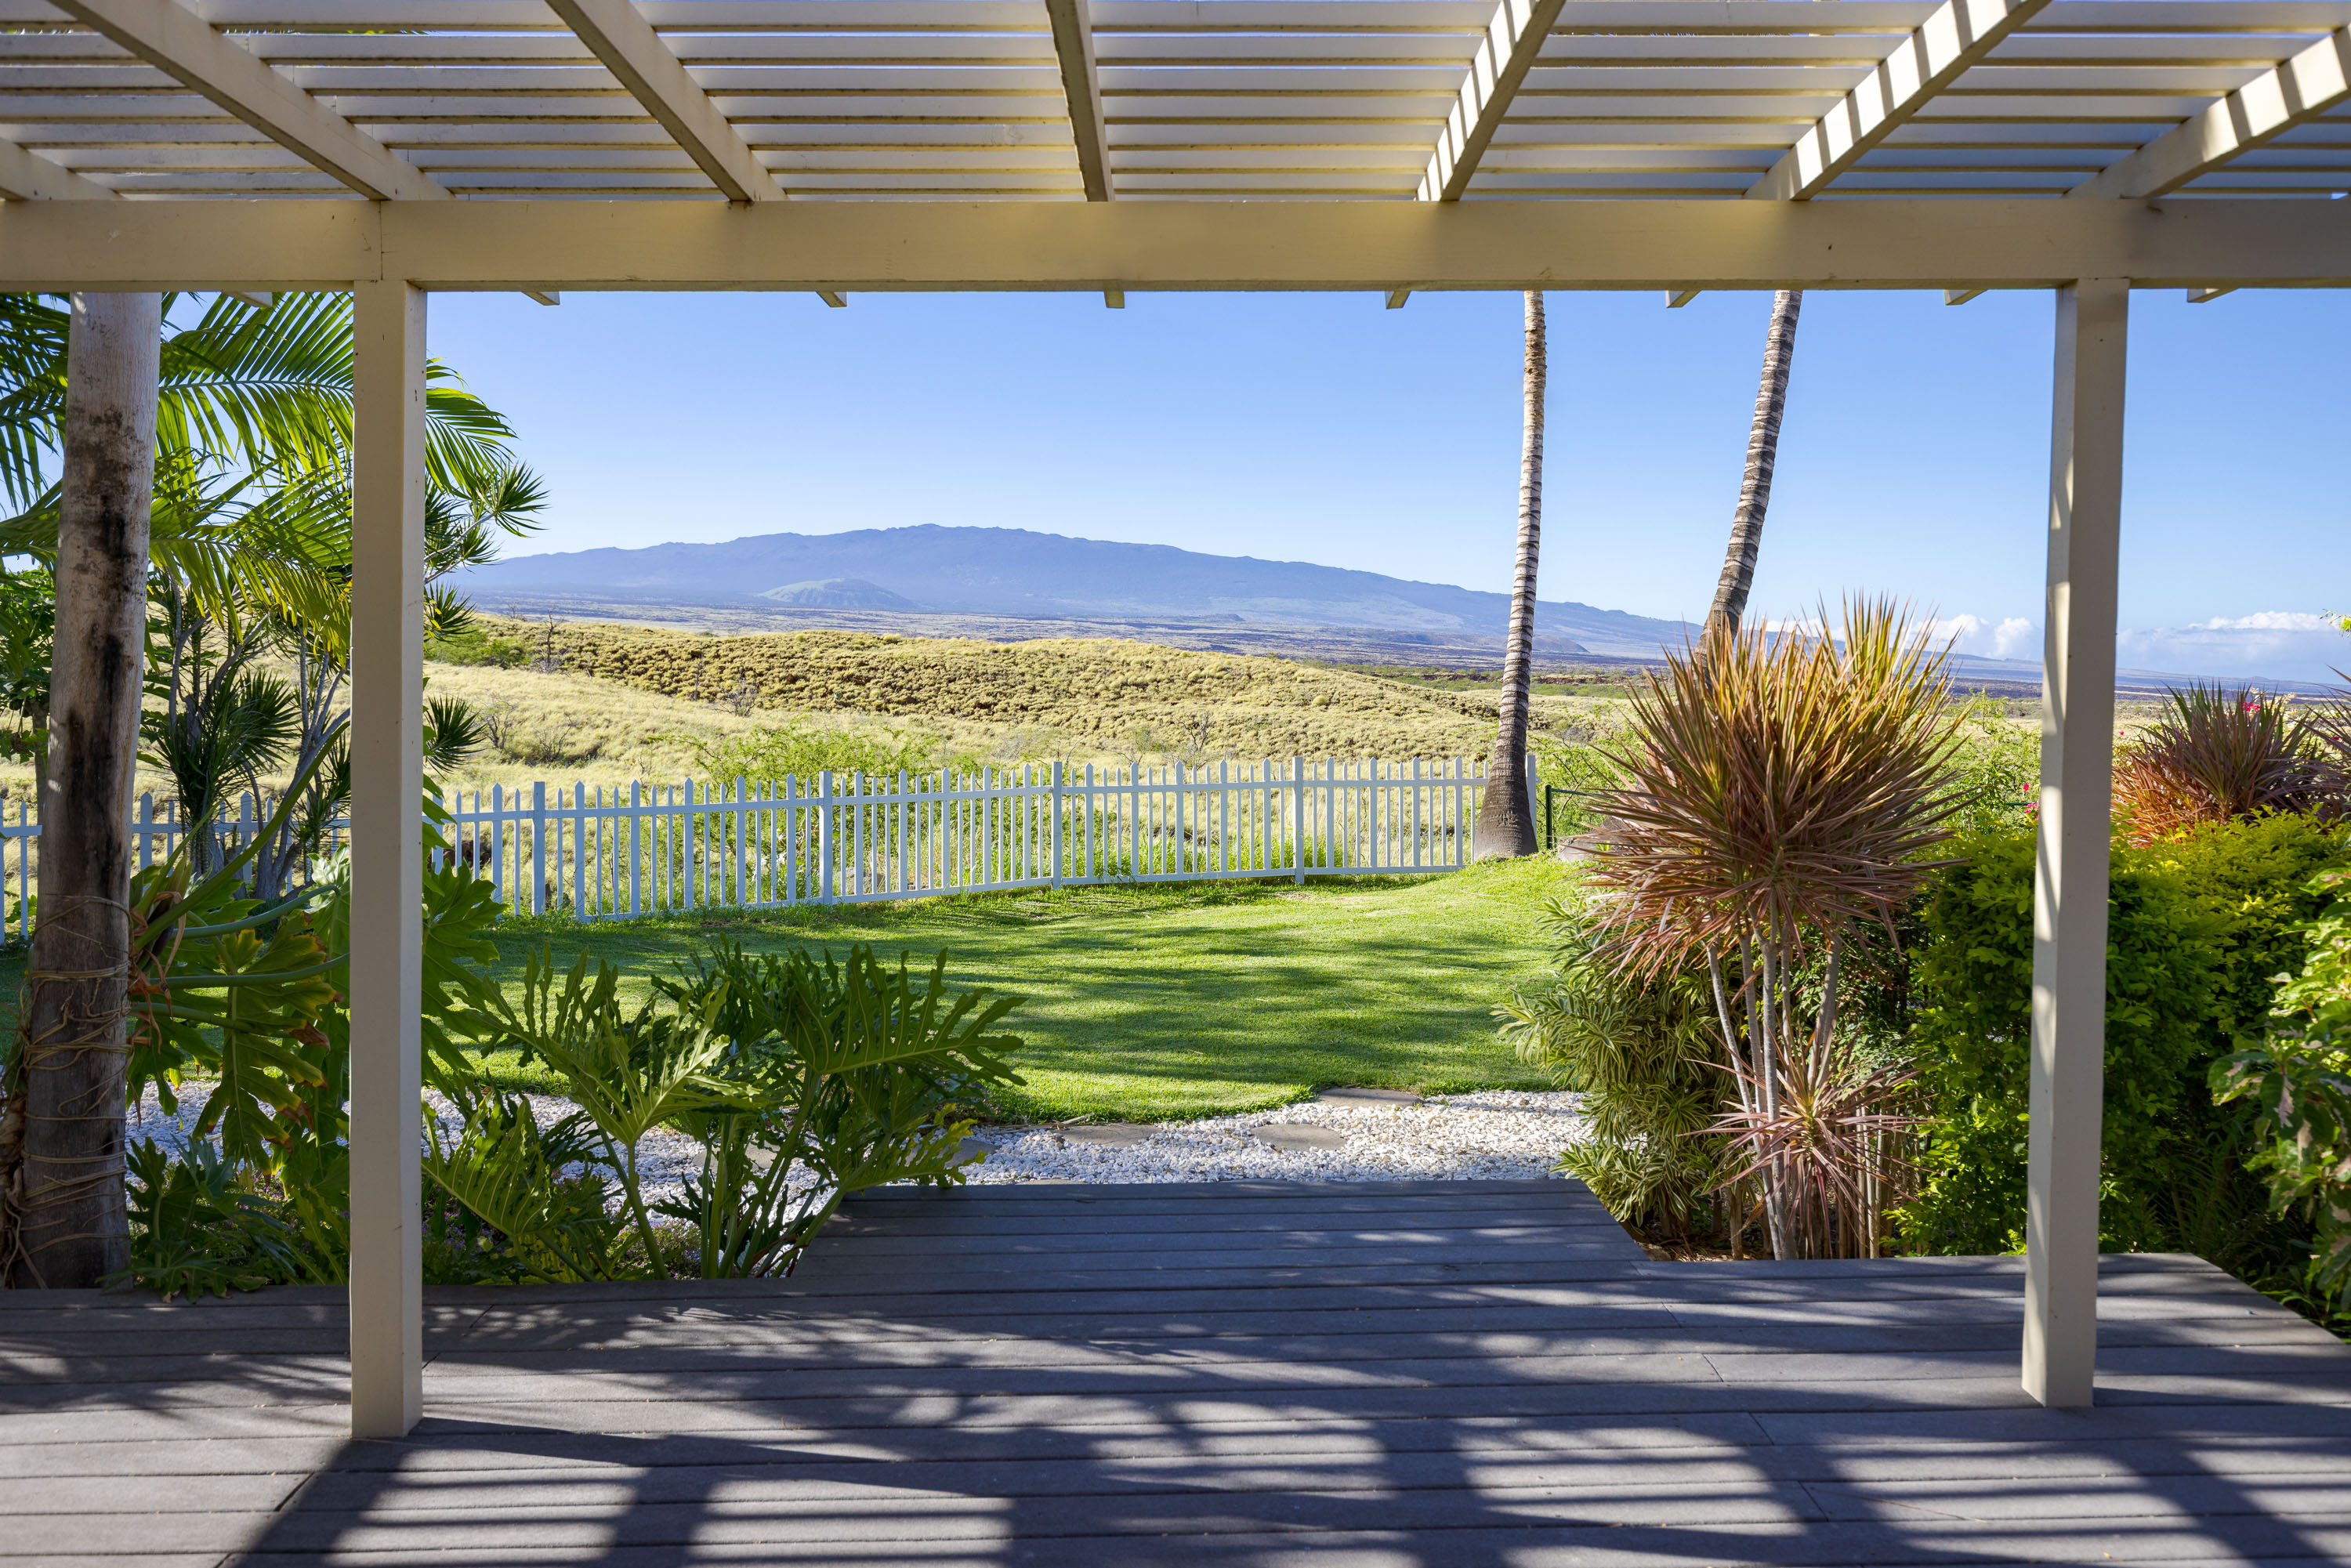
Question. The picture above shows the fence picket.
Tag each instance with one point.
(789, 842)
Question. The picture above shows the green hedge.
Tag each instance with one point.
(2200, 930)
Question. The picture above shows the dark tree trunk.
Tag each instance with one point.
(1763, 455)
(1506, 819)
(67, 1187)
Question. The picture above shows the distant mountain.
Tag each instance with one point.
(1011, 572)
(840, 593)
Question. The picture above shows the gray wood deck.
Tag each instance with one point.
(1267, 1373)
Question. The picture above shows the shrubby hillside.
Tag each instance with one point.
(1074, 696)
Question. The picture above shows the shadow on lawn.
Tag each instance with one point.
(1255, 986)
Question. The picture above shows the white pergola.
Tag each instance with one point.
(399, 147)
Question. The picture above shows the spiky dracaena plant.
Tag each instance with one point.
(2219, 755)
(1785, 790)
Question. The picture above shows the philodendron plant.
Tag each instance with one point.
(849, 1072)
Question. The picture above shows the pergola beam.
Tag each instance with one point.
(29, 177)
(619, 35)
(2304, 86)
(841, 247)
(181, 44)
(1073, 45)
(1957, 36)
(1513, 38)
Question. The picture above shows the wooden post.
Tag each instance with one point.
(539, 847)
(387, 969)
(2069, 903)
(824, 835)
(61, 1142)
(1298, 818)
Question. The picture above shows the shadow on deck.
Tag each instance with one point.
(1392, 1376)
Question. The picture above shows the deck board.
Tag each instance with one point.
(1248, 1373)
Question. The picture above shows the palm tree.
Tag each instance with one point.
(61, 1141)
(1763, 455)
(225, 446)
(1506, 819)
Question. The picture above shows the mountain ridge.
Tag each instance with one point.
(1018, 573)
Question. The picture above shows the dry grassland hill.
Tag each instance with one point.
(1090, 696)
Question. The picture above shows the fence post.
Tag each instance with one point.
(146, 827)
(797, 860)
(636, 850)
(1298, 818)
(539, 847)
(742, 843)
(578, 849)
(824, 836)
(1535, 783)
(1057, 822)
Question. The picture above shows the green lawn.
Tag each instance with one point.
(1193, 999)
(1183, 999)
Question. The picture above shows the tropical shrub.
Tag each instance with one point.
(847, 1074)
(1785, 790)
(1998, 765)
(2296, 1081)
(475, 644)
(1642, 1052)
(2220, 756)
(2197, 930)
(801, 748)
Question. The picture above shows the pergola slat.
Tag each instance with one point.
(619, 35)
(2302, 89)
(28, 177)
(1959, 34)
(170, 36)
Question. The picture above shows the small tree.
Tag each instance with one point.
(1783, 793)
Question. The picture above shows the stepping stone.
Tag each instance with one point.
(1110, 1134)
(1365, 1097)
(1299, 1136)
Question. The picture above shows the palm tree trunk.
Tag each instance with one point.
(1763, 455)
(66, 1190)
(1506, 819)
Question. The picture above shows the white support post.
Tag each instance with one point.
(2069, 903)
(387, 935)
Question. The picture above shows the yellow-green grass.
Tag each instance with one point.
(1172, 999)
(1075, 697)
(1187, 1000)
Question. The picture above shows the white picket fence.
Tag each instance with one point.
(599, 853)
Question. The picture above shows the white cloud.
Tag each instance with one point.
(2286, 645)
(2270, 620)
(1959, 628)
(2015, 638)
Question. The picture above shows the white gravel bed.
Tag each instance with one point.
(1492, 1136)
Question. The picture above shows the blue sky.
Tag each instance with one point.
(1327, 428)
